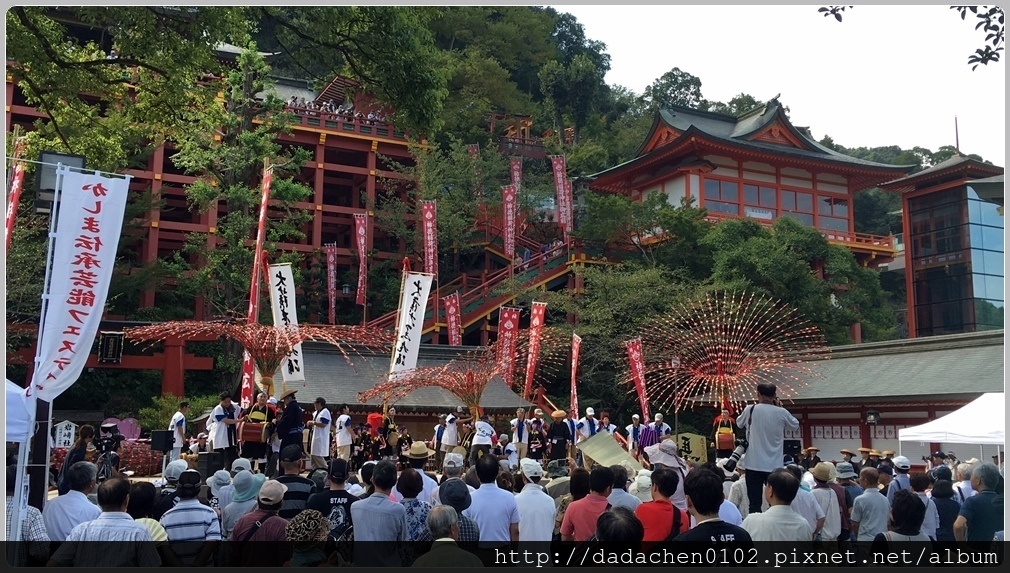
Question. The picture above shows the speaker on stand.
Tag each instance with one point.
(792, 448)
(162, 441)
(209, 462)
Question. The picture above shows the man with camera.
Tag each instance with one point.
(765, 423)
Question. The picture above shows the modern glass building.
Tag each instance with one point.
(954, 266)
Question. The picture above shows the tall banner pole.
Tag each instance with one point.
(248, 367)
(576, 347)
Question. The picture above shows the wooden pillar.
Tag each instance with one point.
(317, 216)
(865, 439)
(906, 229)
(856, 333)
(173, 376)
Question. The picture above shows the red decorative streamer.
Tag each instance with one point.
(248, 366)
(508, 194)
(576, 346)
(452, 319)
(536, 329)
(361, 240)
(508, 331)
(429, 228)
(637, 363)
(17, 182)
(331, 280)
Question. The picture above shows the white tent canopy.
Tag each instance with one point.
(980, 422)
(18, 414)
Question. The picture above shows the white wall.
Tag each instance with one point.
(675, 189)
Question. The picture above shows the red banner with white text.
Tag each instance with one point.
(361, 242)
(508, 196)
(247, 392)
(637, 363)
(331, 280)
(558, 170)
(536, 330)
(17, 182)
(508, 335)
(452, 319)
(429, 228)
(576, 346)
(569, 208)
(516, 171)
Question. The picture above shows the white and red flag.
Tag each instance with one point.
(17, 182)
(637, 364)
(576, 346)
(247, 391)
(361, 241)
(452, 319)
(331, 280)
(508, 195)
(536, 330)
(516, 172)
(429, 219)
(508, 336)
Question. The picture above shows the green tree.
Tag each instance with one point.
(740, 103)
(675, 87)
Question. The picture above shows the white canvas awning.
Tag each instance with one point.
(18, 414)
(980, 422)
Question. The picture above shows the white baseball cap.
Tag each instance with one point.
(659, 416)
(590, 412)
(531, 468)
(634, 417)
(453, 460)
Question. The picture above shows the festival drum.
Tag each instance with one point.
(252, 432)
(724, 440)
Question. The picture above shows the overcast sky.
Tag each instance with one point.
(886, 75)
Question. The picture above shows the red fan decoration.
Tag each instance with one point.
(268, 345)
(714, 350)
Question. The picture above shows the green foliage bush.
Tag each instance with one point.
(159, 414)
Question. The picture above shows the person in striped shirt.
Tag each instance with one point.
(193, 529)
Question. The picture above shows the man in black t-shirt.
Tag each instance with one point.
(703, 489)
(335, 503)
(299, 488)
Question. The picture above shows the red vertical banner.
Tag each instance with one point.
(637, 364)
(576, 346)
(452, 319)
(558, 170)
(536, 329)
(508, 197)
(247, 392)
(331, 280)
(361, 241)
(17, 182)
(473, 150)
(508, 334)
(428, 227)
(569, 209)
(516, 171)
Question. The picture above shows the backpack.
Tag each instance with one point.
(677, 524)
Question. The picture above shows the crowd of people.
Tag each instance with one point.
(530, 486)
(344, 111)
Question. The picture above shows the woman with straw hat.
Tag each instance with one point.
(558, 436)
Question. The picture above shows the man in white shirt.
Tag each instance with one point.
(806, 504)
(178, 428)
(63, 513)
(765, 423)
(520, 432)
(436, 439)
(588, 427)
(633, 429)
(605, 424)
(320, 446)
(779, 522)
(450, 438)
(871, 510)
(536, 508)
(509, 459)
(962, 488)
(344, 436)
(662, 428)
(222, 436)
(493, 508)
(619, 496)
(481, 443)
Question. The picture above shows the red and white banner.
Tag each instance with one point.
(637, 363)
(508, 336)
(90, 219)
(576, 346)
(17, 182)
(558, 170)
(429, 219)
(569, 208)
(285, 312)
(331, 280)
(516, 170)
(361, 242)
(247, 391)
(508, 197)
(536, 330)
(410, 321)
(452, 319)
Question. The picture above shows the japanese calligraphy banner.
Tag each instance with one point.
(558, 170)
(508, 197)
(331, 280)
(516, 171)
(282, 299)
(576, 346)
(693, 447)
(84, 253)
(361, 241)
(568, 208)
(508, 336)
(428, 226)
(637, 363)
(410, 321)
(536, 329)
(452, 319)
(17, 181)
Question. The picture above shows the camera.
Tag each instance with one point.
(109, 439)
(741, 448)
(925, 458)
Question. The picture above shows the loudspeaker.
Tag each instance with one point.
(209, 462)
(791, 447)
(162, 440)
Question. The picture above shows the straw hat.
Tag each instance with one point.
(288, 392)
(419, 451)
(888, 453)
(822, 471)
(864, 450)
(558, 414)
(847, 452)
(874, 453)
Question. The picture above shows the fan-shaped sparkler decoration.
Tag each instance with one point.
(552, 359)
(717, 348)
(267, 345)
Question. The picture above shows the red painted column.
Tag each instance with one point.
(906, 228)
(173, 375)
